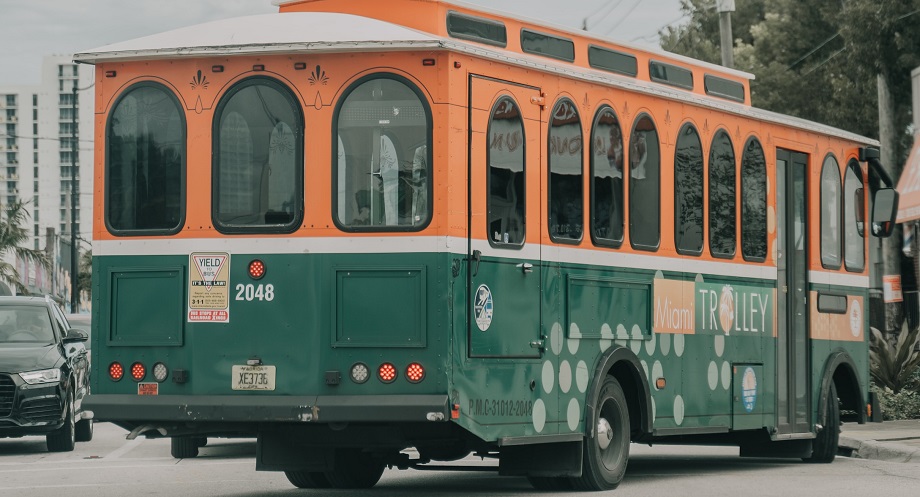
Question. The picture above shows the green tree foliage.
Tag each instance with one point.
(13, 238)
(818, 59)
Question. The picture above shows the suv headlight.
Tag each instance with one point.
(42, 376)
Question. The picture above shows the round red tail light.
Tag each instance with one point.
(415, 372)
(116, 371)
(256, 269)
(138, 371)
(386, 372)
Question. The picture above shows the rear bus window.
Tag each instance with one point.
(383, 156)
(258, 159)
(145, 162)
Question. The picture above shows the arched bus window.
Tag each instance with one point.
(644, 189)
(505, 177)
(854, 202)
(722, 196)
(566, 177)
(145, 162)
(607, 179)
(688, 192)
(258, 159)
(754, 202)
(830, 213)
(382, 156)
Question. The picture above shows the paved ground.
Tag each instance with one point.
(897, 441)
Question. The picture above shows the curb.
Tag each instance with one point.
(883, 451)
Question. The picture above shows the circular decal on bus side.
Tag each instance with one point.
(482, 307)
(855, 319)
(749, 389)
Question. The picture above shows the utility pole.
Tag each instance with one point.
(74, 195)
(725, 8)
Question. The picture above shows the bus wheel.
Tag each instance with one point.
(824, 447)
(354, 469)
(550, 483)
(307, 479)
(606, 453)
(183, 447)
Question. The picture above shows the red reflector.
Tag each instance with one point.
(427, 62)
(415, 372)
(217, 68)
(386, 372)
(138, 371)
(258, 67)
(116, 371)
(455, 412)
(110, 74)
(256, 269)
(300, 66)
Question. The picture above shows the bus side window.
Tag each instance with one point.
(688, 192)
(258, 159)
(383, 132)
(854, 202)
(722, 196)
(505, 157)
(566, 185)
(830, 213)
(145, 162)
(644, 185)
(607, 179)
(754, 203)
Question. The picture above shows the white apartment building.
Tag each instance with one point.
(36, 149)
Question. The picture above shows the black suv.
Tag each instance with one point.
(44, 374)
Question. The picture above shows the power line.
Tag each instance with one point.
(630, 11)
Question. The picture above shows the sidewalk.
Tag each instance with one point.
(896, 441)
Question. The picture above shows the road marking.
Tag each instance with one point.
(124, 449)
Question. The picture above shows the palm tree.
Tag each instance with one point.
(13, 237)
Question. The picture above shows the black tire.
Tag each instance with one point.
(824, 447)
(183, 447)
(201, 441)
(84, 430)
(607, 452)
(64, 438)
(307, 479)
(354, 469)
(550, 483)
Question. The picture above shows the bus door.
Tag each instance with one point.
(792, 358)
(505, 208)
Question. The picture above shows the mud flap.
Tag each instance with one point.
(546, 459)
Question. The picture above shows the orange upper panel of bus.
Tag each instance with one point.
(432, 17)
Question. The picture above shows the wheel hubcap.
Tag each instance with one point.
(604, 433)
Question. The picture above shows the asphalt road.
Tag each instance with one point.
(113, 466)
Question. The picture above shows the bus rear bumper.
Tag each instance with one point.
(266, 408)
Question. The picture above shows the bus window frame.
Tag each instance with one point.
(699, 140)
(183, 168)
(598, 241)
(299, 159)
(735, 179)
(821, 196)
(429, 132)
(549, 172)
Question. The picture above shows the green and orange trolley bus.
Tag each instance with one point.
(356, 227)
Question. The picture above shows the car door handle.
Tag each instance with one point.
(526, 267)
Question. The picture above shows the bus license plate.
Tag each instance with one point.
(253, 378)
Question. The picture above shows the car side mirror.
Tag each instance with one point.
(884, 209)
(75, 335)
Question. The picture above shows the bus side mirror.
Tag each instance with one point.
(859, 202)
(884, 210)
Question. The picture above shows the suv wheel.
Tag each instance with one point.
(62, 439)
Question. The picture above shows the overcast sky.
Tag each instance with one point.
(31, 29)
